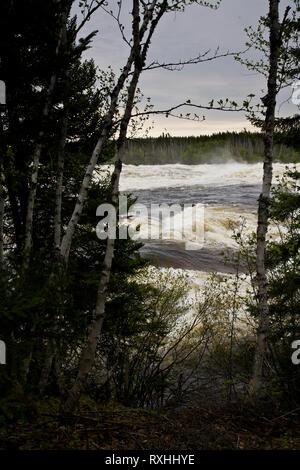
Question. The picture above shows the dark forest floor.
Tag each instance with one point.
(195, 427)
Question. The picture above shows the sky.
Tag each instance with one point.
(183, 35)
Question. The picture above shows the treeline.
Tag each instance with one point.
(217, 148)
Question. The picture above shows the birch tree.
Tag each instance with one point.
(70, 49)
(138, 57)
(269, 101)
(88, 10)
(106, 128)
(152, 13)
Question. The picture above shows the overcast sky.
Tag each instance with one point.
(185, 35)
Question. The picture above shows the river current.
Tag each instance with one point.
(228, 192)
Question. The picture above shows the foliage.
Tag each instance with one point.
(217, 148)
(283, 263)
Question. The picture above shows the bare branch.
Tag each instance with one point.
(226, 106)
(90, 11)
(179, 65)
(117, 18)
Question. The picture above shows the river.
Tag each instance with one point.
(228, 193)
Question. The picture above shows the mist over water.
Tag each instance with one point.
(228, 191)
(151, 177)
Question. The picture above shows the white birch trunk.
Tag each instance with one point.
(90, 346)
(108, 122)
(263, 210)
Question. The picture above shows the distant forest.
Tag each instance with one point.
(216, 148)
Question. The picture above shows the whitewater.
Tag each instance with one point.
(228, 192)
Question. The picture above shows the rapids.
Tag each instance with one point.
(228, 192)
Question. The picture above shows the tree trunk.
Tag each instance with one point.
(46, 369)
(107, 125)
(51, 349)
(38, 146)
(89, 349)
(59, 182)
(263, 206)
(2, 202)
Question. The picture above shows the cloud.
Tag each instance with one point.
(185, 35)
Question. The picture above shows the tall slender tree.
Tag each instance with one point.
(269, 101)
